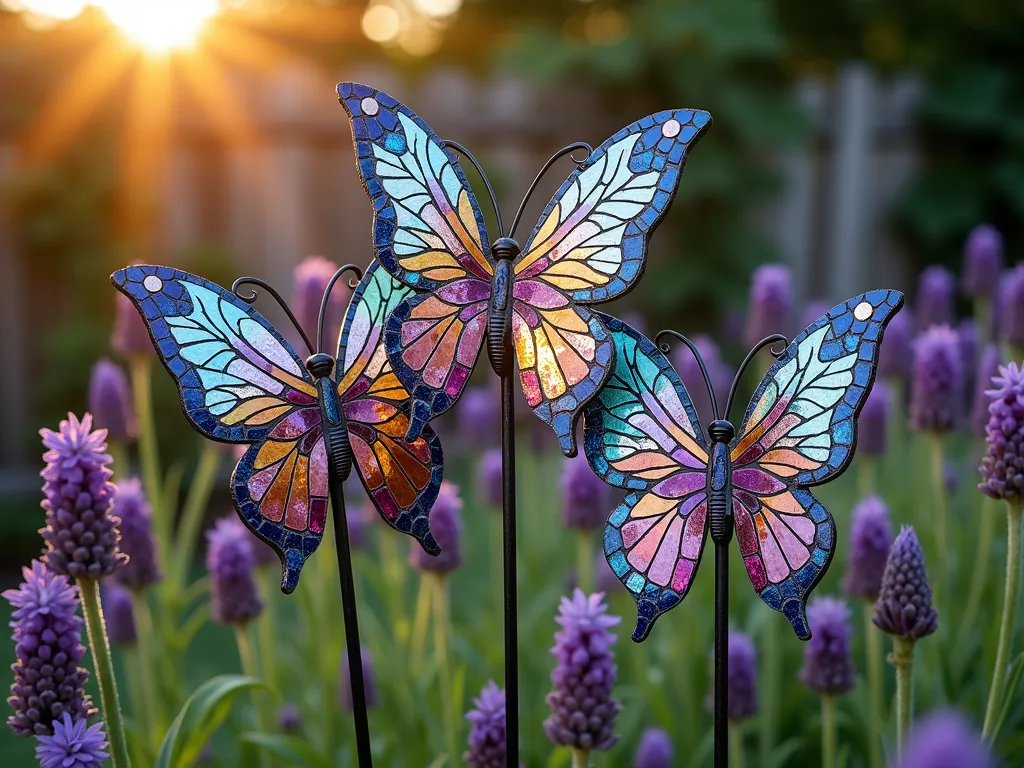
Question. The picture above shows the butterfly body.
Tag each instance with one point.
(720, 524)
(499, 309)
(335, 427)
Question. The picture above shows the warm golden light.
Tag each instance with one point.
(160, 26)
(381, 23)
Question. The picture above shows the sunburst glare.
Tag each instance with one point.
(160, 27)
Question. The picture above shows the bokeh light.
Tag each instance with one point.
(381, 23)
(160, 26)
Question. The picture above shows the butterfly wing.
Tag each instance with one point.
(642, 434)
(801, 430)
(241, 382)
(402, 478)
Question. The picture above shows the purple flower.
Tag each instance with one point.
(1002, 468)
(74, 744)
(489, 478)
(48, 642)
(771, 303)
(937, 388)
(289, 718)
(110, 401)
(137, 542)
(310, 281)
(604, 577)
(988, 369)
(983, 260)
(944, 739)
(742, 682)
(584, 495)
(874, 420)
(446, 525)
(688, 369)
(129, 338)
(583, 711)
(870, 542)
(895, 357)
(262, 552)
(479, 418)
(813, 310)
(231, 562)
(357, 518)
(936, 288)
(655, 750)
(119, 613)
(81, 533)
(828, 663)
(967, 339)
(487, 729)
(345, 681)
(904, 605)
(1011, 317)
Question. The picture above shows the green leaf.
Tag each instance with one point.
(200, 716)
(1012, 684)
(294, 750)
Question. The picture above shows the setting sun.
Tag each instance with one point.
(160, 27)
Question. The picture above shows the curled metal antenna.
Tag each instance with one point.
(567, 150)
(352, 283)
(774, 340)
(250, 298)
(487, 182)
(665, 347)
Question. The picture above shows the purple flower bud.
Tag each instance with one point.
(654, 751)
(110, 401)
(265, 556)
(345, 681)
(358, 518)
(119, 613)
(936, 288)
(604, 577)
(742, 682)
(967, 340)
(771, 303)
(129, 337)
(446, 525)
(813, 310)
(1011, 319)
(988, 369)
(983, 260)
(584, 495)
(944, 739)
(870, 542)
(231, 562)
(81, 533)
(1002, 468)
(583, 711)
(937, 388)
(873, 424)
(48, 642)
(137, 542)
(289, 718)
(310, 281)
(828, 663)
(74, 744)
(896, 355)
(479, 418)
(689, 373)
(904, 605)
(489, 478)
(487, 729)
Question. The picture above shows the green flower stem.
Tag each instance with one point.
(866, 475)
(140, 368)
(1010, 594)
(267, 624)
(97, 630)
(195, 506)
(982, 306)
(771, 690)
(941, 511)
(584, 561)
(249, 669)
(828, 731)
(418, 640)
(903, 658)
(442, 632)
(144, 631)
(120, 465)
(873, 641)
(580, 758)
(735, 745)
(978, 577)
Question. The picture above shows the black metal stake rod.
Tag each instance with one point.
(721, 654)
(508, 504)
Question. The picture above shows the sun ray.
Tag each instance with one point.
(240, 46)
(207, 81)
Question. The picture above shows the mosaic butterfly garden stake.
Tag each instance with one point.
(241, 382)
(642, 434)
(531, 302)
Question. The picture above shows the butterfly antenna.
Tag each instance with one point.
(487, 182)
(352, 283)
(250, 298)
(557, 156)
(773, 340)
(665, 347)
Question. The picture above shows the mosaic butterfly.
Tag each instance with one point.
(589, 246)
(642, 434)
(241, 382)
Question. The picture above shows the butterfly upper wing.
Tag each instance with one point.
(800, 430)
(642, 434)
(241, 382)
(402, 478)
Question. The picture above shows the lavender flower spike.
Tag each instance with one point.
(896, 356)
(988, 369)
(310, 281)
(489, 478)
(478, 418)
(874, 420)
(119, 614)
(935, 294)
(904, 605)
(742, 682)
(48, 682)
(583, 711)
(129, 337)
(1002, 468)
(983, 261)
(345, 681)
(231, 561)
(74, 744)
(654, 751)
(80, 533)
(584, 495)
(945, 740)
(110, 401)
(137, 542)
(487, 729)
(828, 663)
(446, 525)
(771, 303)
(1011, 320)
(870, 542)
(937, 389)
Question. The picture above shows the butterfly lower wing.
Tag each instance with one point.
(591, 241)
(801, 430)
(427, 228)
